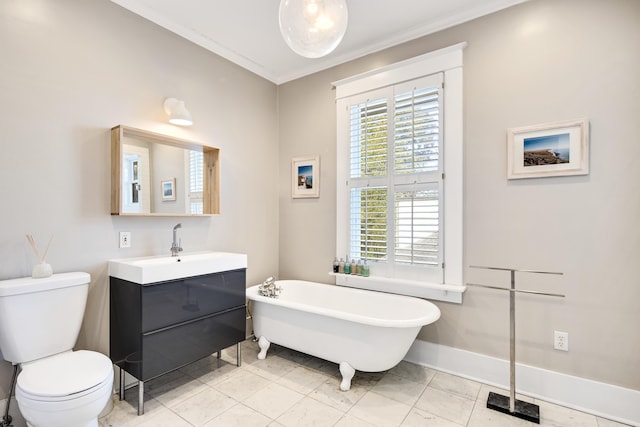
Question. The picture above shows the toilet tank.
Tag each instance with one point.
(41, 317)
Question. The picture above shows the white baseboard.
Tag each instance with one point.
(597, 398)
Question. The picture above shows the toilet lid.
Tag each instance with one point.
(64, 374)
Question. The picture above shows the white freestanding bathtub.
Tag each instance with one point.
(360, 330)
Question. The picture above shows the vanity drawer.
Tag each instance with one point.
(178, 301)
(174, 347)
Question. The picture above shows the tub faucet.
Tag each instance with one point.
(176, 245)
(269, 288)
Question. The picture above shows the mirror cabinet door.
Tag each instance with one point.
(155, 174)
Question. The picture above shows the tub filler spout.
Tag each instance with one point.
(268, 288)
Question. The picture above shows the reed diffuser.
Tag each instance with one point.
(42, 269)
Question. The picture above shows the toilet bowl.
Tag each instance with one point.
(68, 389)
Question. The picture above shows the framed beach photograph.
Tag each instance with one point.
(305, 177)
(168, 188)
(551, 149)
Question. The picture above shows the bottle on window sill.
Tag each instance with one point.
(365, 269)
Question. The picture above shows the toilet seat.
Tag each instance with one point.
(77, 397)
(65, 376)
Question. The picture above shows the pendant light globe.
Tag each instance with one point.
(313, 28)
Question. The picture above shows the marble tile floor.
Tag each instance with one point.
(293, 389)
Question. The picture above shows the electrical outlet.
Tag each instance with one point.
(561, 340)
(125, 239)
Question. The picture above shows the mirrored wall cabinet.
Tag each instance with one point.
(159, 175)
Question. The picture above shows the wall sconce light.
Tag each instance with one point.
(313, 28)
(178, 113)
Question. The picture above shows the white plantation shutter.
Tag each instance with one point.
(368, 222)
(417, 130)
(369, 121)
(196, 183)
(417, 226)
(395, 177)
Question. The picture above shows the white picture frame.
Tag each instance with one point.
(550, 149)
(168, 189)
(305, 177)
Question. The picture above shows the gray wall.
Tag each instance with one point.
(70, 71)
(542, 61)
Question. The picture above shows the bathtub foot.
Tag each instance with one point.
(347, 373)
(264, 344)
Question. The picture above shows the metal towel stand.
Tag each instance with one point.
(510, 405)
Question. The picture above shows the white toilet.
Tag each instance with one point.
(39, 323)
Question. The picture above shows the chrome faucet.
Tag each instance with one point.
(176, 245)
(268, 288)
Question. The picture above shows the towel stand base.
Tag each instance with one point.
(525, 410)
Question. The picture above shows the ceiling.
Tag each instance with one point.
(246, 31)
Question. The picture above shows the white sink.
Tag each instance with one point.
(153, 269)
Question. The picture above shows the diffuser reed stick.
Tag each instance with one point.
(44, 256)
(34, 247)
(32, 242)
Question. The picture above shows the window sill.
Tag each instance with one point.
(433, 291)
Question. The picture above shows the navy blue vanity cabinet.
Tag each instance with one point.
(159, 327)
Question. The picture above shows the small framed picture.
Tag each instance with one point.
(305, 177)
(168, 187)
(551, 149)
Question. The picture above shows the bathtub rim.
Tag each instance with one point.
(432, 316)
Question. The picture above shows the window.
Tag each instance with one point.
(395, 177)
(196, 184)
(399, 165)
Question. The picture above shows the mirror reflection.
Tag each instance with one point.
(162, 175)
